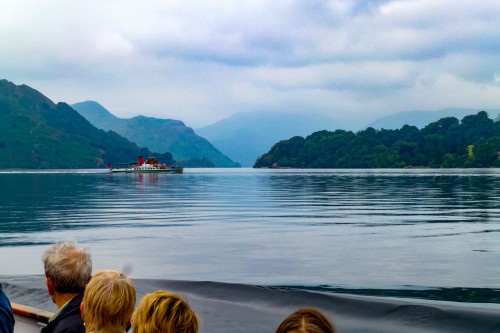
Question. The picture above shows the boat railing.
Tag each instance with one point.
(29, 319)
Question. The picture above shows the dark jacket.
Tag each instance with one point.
(69, 320)
(6, 315)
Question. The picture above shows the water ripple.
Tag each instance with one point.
(343, 227)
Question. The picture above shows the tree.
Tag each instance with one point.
(440, 144)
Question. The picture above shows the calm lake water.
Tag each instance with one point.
(380, 229)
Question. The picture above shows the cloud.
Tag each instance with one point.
(200, 61)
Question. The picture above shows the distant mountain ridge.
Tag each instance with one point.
(421, 118)
(156, 134)
(37, 133)
(245, 136)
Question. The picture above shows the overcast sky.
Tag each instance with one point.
(202, 60)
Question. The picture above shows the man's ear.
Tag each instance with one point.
(82, 309)
(50, 286)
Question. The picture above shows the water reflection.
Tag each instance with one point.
(334, 227)
(39, 202)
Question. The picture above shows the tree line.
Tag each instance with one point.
(447, 143)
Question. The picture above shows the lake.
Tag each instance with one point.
(404, 230)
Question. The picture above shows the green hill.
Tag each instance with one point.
(448, 143)
(156, 134)
(37, 133)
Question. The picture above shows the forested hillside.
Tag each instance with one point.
(420, 118)
(36, 133)
(449, 143)
(159, 135)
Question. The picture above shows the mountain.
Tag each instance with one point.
(245, 136)
(446, 143)
(37, 133)
(156, 134)
(421, 118)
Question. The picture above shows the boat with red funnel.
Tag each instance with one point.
(149, 165)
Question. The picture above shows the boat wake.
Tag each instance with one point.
(225, 307)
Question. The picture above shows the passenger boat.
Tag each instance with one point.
(28, 319)
(149, 165)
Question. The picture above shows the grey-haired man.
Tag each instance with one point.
(68, 269)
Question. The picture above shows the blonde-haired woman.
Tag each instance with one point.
(108, 302)
(164, 312)
(306, 320)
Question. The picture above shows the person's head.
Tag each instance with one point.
(68, 268)
(108, 302)
(306, 320)
(164, 312)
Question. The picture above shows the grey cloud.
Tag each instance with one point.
(207, 59)
(308, 33)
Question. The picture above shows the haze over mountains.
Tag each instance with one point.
(246, 136)
(156, 134)
(37, 133)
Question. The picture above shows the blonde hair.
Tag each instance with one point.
(164, 312)
(68, 266)
(109, 302)
(306, 320)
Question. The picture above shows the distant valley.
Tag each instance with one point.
(37, 133)
(242, 137)
(157, 134)
(245, 136)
